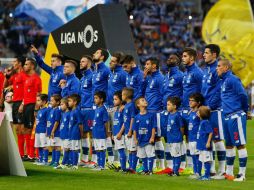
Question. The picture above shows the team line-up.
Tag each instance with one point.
(201, 114)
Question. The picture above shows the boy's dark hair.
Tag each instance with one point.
(88, 57)
(137, 101)
(154, 61)
(104, 53)
(32, 60)
(43, 97)
(118, 94)
(74, 63)
(129, 92)
(101, 95)
(204, 112)
(56, 97)
(75, 97)
(191, 52)
(58, 56)
(119, 56)
(21, 59)
(199, 98)
(214, 48)
(175, 101)
(127, 59)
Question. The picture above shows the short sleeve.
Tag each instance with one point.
(105, 116)
(58, 115)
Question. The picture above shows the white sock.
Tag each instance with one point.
(220, 146)
(242, 153)
(230, 168)
(85, 144)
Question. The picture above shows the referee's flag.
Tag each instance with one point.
(229, 23)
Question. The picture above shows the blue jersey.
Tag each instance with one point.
(64, 125)
(72, 86)
(100, 78)
(193, 126)
(233, 95)
(116, 82)
(41, 120)
(75, 122)
(134, 80)
(174, 134)
(211, 85)
(86, 89)
(172, 85)
(55, 76)
(163, 122)
(118, 122)
(100, 118)
(192, 83)
(54, 115)
(205, 128)
(154, 91)
(143, 125)
(128, 114)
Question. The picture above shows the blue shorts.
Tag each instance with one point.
(235, 129)
(217, 125)
(87, 117)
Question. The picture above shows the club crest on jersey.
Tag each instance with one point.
(172, 122)
(147, 121)
(97, 115)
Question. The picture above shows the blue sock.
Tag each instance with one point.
(57, 157)
(199, 167)
(150, 164)
(98, 158)
(134, 161)
(53, 156)
(183, 158)
(221, 155)
(207, 169)
(130, 160)
(230, 160)
(103, 158)
(176, 164)
(159, 154)
(65, 157)
(122, 159)
(194, 160)
(145, 164)
(110, 151)
(75, 158)
(70, 157)
(40, 154)
(45, 155)
(85, 150)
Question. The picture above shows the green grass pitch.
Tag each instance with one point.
(46, 178)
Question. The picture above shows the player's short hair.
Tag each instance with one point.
(43, 97)
(129, 92)
(56, 97)
(58, 56)
(191, 52)
(75, 97)
(74, 63)
(21, 59)
(204, 112)
(198, 97)
(101, 95)
(119, 56)
(226, 62)
(214, 48)
(127, 59)
(176, 101)
(32, 60)
(104, 53)
(88, 57)
(64, 101)
(138, 100)
(118, 94)
(154, 61)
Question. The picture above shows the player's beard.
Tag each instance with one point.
(95, 60)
